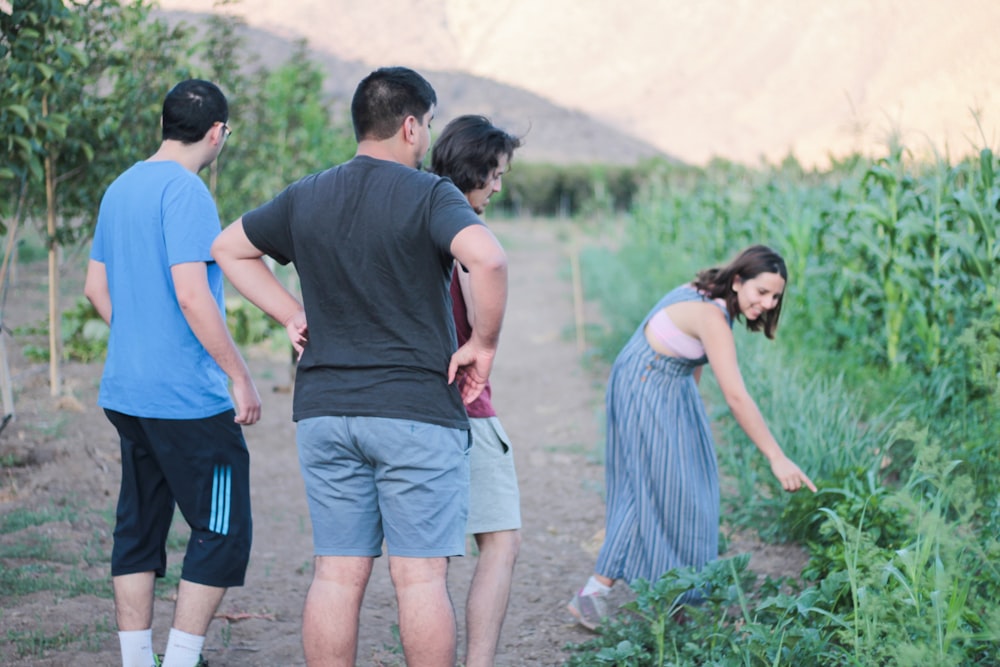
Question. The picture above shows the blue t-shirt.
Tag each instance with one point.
(156, 215)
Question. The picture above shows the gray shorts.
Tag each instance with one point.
(370, 478)
(494, 501)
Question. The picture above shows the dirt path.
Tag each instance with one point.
(549, 405)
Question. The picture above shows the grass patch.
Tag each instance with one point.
(35, 644)
(24, 518)
(11, 460)
(180, 534)
(36, 577)
(168, 583)
(34, 547)
(27, 579)
(37, 559)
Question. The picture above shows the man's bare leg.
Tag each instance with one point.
(196, 606)
(134, 600)
(489, 594)
(332, 610)
(426, 615)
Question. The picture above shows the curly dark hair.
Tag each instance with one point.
(469, 149)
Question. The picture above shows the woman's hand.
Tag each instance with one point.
(789, 474)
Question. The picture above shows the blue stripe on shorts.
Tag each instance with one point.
(221, 493)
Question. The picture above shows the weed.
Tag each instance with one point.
(727, 620)
(27, 579)
(171, 579)
(37, 547)
(20, 519)
(84, 335)
(226, 634)
(180, 533)
(35, 644)
(12, 460)
(396, 648)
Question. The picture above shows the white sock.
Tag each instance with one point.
(183, 649)
(137, 648)
(594, 587)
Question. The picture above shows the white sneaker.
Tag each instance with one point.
(588, 610)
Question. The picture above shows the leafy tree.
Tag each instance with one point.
(40, 54)
(225, 61)
(77, 105)
(285, 131)
(84, 80)
(34, 58)
(283, 128)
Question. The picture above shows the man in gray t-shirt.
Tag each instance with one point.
(374, 286)
(382, 432)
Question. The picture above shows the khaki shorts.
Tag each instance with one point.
(494, 500)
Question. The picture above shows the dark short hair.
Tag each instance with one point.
(191, 108)
(750, 263)
(385, 98)
(469, 149)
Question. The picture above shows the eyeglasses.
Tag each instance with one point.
(225, 128)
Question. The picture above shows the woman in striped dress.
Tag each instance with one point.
(661, 473)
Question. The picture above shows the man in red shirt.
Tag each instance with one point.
(474, 154)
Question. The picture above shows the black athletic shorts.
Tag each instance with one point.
(203, 466)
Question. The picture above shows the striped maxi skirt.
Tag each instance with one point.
(661, 471)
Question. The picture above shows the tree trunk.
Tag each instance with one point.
(55, 329)
(6, 388)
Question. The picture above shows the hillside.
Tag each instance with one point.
(551, 134)
(713, 78)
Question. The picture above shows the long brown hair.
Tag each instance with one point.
(717, 283)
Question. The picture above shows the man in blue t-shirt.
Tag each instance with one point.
(165, 382)
(382, 432)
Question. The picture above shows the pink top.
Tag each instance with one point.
(664, 330)
(684, 346)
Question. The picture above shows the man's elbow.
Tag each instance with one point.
(495, 262)
(190, 297)
(95, 293)
(185, 301)
(218, 250)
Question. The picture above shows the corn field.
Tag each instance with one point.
(883, 384)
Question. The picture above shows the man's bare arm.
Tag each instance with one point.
(209, 326)
(243, 264)
(480, 252)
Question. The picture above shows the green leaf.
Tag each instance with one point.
(23, 143)
(47, 71)
(21, 111)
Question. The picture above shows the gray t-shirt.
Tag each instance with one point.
(371, 240)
